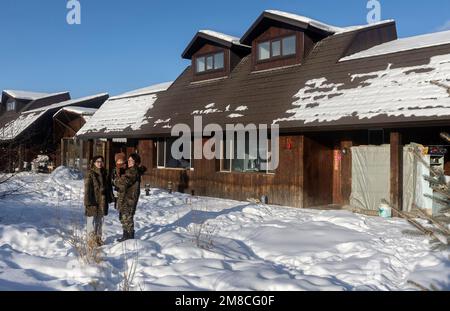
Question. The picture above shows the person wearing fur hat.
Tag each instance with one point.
(128, 186)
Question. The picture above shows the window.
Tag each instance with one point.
(165, 158)
(219, 61)
(264, 51)
(277, 48)
(231, 163)
(210, 62)
(11, 106)
(289, 46)
(201, 64)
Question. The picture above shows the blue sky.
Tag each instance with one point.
(124, 45)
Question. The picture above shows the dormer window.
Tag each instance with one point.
(11, 106)
(214, 55)
(280, 47)
(210, 62)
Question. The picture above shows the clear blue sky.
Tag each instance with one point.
(124, 45)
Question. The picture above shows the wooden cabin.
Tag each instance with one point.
(348, 101)
(26, 125)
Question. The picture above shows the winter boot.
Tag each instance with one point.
(124, 237)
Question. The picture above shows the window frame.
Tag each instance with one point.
(230, 161)
(279, 39)
(11, 106)
(205, 57)
(159, 167)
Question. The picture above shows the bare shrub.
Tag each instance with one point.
(128, 273)
(85, 246)
(201, 229)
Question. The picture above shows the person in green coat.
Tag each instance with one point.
(128, 187)
(97, 196)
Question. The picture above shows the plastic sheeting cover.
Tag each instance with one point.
(415, 187)
(370, 176)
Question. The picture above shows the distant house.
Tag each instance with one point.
(70, 151)
(348, 101)
(26, 124)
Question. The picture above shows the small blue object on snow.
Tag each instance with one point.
(385, 211)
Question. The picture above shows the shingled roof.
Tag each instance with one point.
(398, 88)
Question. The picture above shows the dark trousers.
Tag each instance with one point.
(127, 221)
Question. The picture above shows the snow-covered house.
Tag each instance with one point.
(26, 124)
(347, 100)
(112, 123)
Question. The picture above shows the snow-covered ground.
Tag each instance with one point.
(244, 246)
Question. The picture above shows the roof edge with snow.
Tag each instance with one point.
(152, 89)
(215, 37)
(32, 96)
(403, 45)
(291, 19)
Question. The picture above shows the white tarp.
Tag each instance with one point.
(370, 176)
(415, 187)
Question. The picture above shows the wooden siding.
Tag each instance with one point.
(285, 187)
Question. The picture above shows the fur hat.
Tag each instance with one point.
(120, 156)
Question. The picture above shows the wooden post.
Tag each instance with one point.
(346, 171)
(63, 153)
(396, 172)
(90, 151)
(109, 157)
(21, 158)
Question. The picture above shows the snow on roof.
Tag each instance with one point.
(25, 95)
(420, 91)
(83, 111)
(360, 27)
(221, 36)
(156, 88)
(406, 44)
(126, 111)
(15, 127)
(68, 103)
(306, 20)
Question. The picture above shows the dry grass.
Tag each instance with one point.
(85, 246)
(128, 274)
(201, 229)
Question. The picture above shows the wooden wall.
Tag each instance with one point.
(285, 187)
(314, 170)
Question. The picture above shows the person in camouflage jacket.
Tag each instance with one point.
(128, 186)
(97, 196)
